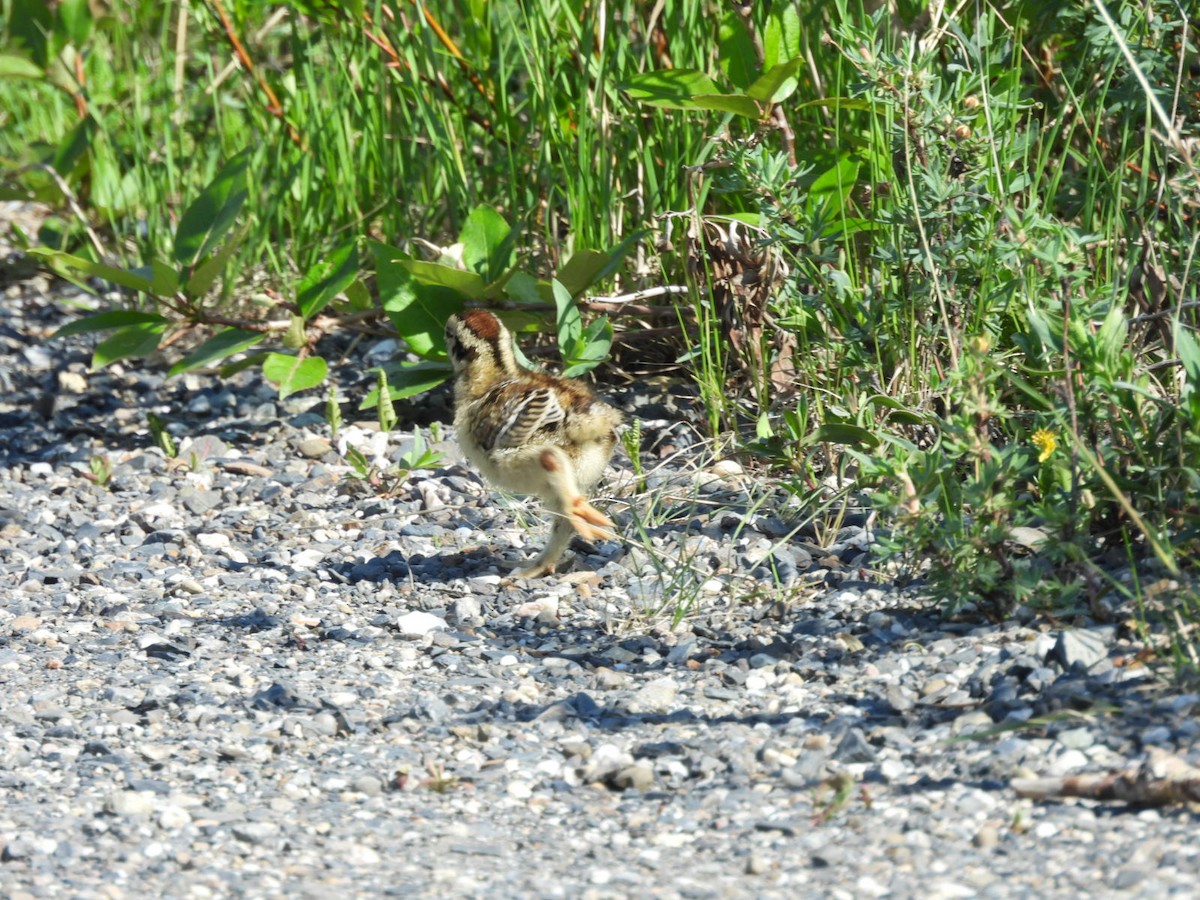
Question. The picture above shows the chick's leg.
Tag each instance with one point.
(551, 477)
(564, 497)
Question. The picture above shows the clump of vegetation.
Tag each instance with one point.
(943, 260)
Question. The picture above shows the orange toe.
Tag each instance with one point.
(591, 524)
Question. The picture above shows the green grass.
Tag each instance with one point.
(988, 227)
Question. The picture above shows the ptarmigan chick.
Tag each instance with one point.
(528, 432)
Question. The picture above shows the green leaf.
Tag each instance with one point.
(327, 278)
(487, 243)
(524, 288)
(736, 51)
(248, 361)
(109, 321)
(358, 297)
(670, 88)
(1188, 349)
(738, 104)
(835, 103)
(469, 284)
(569, 321)
(1111, 338)
(417, 311)
(60, 262)
(76, 18)
(162, 438)
(131, 342)
(204, 274)
(383, 402)
(596, 341)
(219, 346)
(73, 146)
(29, 23)
(782, 36)
(843, 433)
(296, 335)
(164, 281)
(293, 374)
(579, 272)
(686, 89)
(408, 380)
(211, 214)
(776, 84)
(13, 66)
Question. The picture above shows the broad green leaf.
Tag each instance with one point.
(843, 433)
(670, 88)
(58, 260)
(738, 104)
(204, 274)
(579, 272)
(750, 218)
(73, 146)
(1111, 338)
(408, 380)
(776, 84)
(782, 36)
(293, 374)
(131, 342)
(686, 89)
(76, 18)
(13, 66)
(164, 281)
(469, 284)
(580, 368)
(487, 243)
(737, 57)
(296, 335)
(569, 321)
(524, 288)
(29, 23)
(109, 321)
(358, 298)
(839, 178)
(596, 340)
(614, 257)
(246, 362)
(327, 278)
(211, 214)
(417, 311)
(855, 103)
(217, 347)
(1188, 349)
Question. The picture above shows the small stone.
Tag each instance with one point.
(131, 803)
(639, 777)
(757, 864)
(467, 610)
(519, 790)
(986, 837)
(1076, 738)
(172, 817)
(213, 541)
(314, 447)
(655, 696)
(419, 624)
(853, 748)
(1079, 647)
(255, 832)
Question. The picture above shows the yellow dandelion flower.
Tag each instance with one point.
(1046, 443)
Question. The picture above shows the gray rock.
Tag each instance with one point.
(1077, 647)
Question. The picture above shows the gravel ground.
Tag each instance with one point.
(244, 672)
